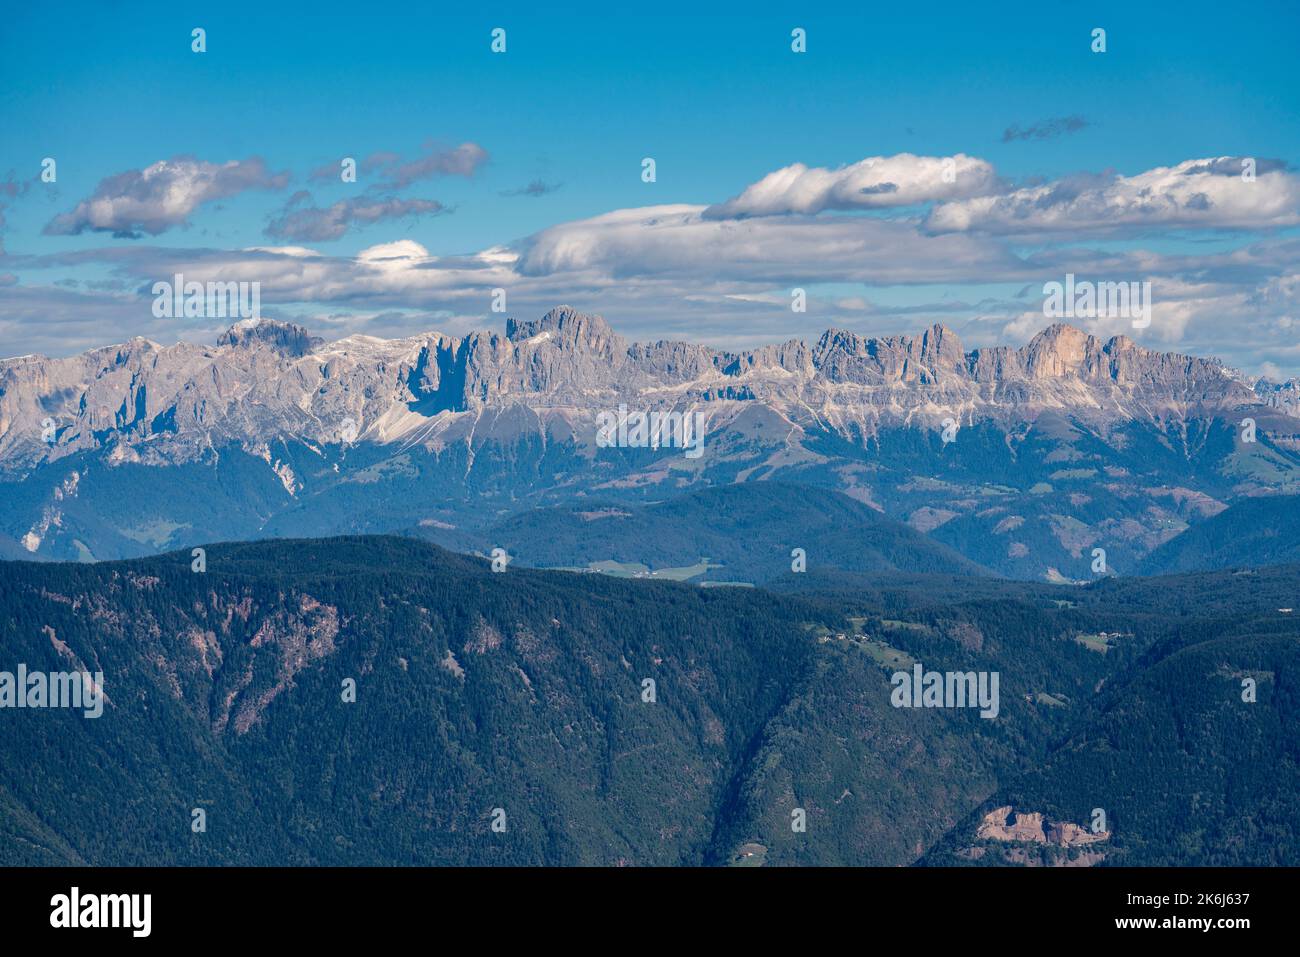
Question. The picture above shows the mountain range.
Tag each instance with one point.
(1022, 460)
(422, 545)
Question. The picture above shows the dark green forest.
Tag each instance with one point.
(519, 699)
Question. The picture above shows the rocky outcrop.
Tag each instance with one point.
(1033, 828)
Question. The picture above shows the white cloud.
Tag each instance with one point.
(158, 197)
(1204, 193)
(680, 270)
(680, 242)
(300, 219)
(879, 182)
(463, 160)
(401, 254)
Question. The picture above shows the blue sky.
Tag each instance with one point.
(720, 101)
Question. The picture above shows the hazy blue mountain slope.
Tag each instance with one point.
(747, 530)
(1252, 532)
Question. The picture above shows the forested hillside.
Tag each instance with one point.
(1252, 532)
(506, 717)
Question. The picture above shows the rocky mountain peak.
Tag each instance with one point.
(1058, 350)
(565, 324)
(284, 337)
(940, 344)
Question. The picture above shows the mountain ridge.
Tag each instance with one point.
(392, 389)
(1023, 459)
